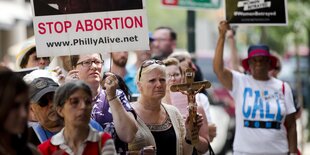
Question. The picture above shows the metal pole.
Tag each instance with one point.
(307, 99)
(191, 42)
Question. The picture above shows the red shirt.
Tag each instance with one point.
(57, 145)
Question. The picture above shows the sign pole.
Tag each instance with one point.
(191, 19)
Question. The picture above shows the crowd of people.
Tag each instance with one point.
(79, 108)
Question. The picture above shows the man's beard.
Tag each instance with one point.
(120, 63)
(161, 54)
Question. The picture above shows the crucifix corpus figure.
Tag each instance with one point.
(190, 89)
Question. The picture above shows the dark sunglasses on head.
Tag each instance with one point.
(148, 63)
(44, 100)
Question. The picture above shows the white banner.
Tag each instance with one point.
(92, 32)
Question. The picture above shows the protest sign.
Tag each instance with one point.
(192, 4)
(256, 12)
(92, 26)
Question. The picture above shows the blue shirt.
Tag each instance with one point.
(130, 79)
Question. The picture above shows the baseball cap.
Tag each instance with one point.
(41, 86)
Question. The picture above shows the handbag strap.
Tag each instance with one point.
(283, 88)
(211, 152)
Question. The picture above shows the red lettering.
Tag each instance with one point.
(68, 24)
(116, 22)
(100, 26)
(107, 22)
(58, 27)
(127, 24)
(41, 30)
(122, 22)
(79, 26)
(138, 21)
(49, 26)
(88, 25)
(52, 27)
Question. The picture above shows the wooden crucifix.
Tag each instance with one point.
(191, 88)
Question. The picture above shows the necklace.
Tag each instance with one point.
(160, 127)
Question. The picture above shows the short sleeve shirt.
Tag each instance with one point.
(101, 113)
(261, 108)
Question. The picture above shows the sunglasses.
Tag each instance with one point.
(45, 99)
(147, 63)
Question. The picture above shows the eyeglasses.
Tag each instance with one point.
(175, 75)
(45, 99)
(74, 101)
(147, 63)
(161, 39)
(88, 63)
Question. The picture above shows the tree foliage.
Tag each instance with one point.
(280, 38)
(159, 15)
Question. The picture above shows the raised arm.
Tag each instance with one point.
(223, 74)
(125, 124)
(235, 60)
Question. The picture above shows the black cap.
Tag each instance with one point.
(41, 86)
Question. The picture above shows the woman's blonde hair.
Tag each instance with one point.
(180, 55)
(173, 61)
(145, 70)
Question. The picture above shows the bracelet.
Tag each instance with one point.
(142, 151)
(114, 97)
(188, 141)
